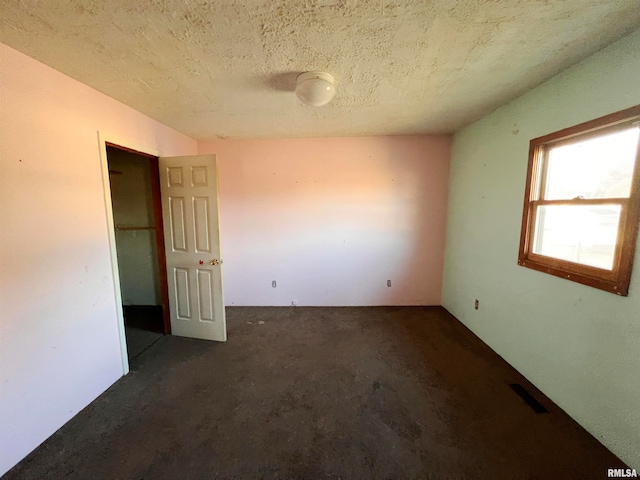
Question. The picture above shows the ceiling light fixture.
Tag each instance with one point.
(315, 88)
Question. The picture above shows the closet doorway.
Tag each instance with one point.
(137, 216)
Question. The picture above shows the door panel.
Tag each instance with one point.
(190, 210)
(183, 302)
(205, 301)
(201, 220)
(177, 223)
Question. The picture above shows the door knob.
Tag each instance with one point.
(214, 261)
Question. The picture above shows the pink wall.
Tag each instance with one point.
(59, 341)
(331, 220)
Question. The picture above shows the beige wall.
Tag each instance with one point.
(579, 345)
(59, 339)
(331, 220)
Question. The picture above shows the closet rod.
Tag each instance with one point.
(135, 228)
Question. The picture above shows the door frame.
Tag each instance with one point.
(107, 140)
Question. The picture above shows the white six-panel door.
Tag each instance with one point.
(189, 191)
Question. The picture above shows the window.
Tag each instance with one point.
(582, 202)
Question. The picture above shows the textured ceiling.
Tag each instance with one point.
(217, 69)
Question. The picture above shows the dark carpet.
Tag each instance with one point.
(315, 393)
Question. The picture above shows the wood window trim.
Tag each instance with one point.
(618, 279)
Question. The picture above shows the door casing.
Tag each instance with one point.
(105, 140)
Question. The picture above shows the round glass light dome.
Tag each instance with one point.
(315, 88)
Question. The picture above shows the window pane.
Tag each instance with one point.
(583, 234)
(599, 167)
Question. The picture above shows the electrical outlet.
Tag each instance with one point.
(294, 303)
(273, 284)
(476, 304)
(388, 283)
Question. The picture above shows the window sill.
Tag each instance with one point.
(617, 286)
